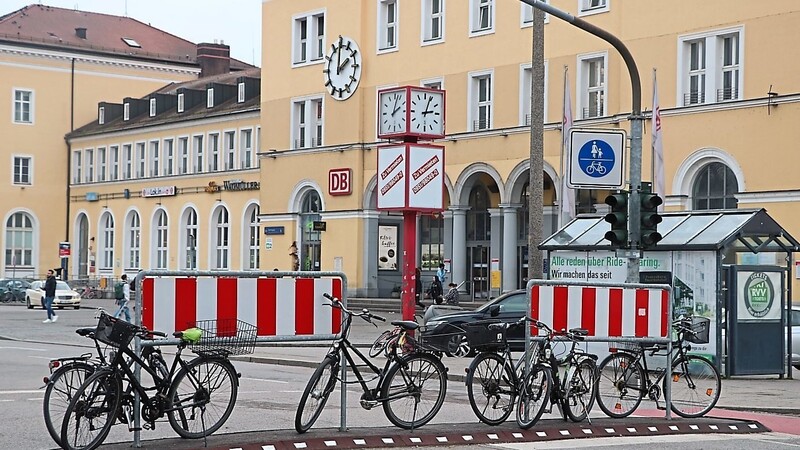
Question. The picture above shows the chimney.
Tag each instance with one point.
(214, 59)
(80, 32)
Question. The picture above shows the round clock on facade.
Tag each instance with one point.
(392, 112)
(426, 112)
(343, 68)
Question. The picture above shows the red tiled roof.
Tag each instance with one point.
(51, 26)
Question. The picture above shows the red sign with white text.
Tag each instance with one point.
(340, 181)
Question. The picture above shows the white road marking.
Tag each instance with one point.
(264, 379)
(24, 348)
(32, 391)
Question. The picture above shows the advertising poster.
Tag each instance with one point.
(387, 247)
(758, 296)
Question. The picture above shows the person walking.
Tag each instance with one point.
(49, 296)
(418, 287)
(126, 297)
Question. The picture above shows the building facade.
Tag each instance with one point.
(727, 99)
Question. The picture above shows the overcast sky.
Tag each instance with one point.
(237, 22)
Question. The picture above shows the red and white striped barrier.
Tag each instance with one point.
(277, 306)
(606, 311)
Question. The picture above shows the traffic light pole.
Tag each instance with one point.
(636, 119)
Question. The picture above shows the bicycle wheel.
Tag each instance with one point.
(380, 344)
(413, 390)
(581, 387)
(316, 394)
(60, 389)
(620, 385)
(696, 386)
(203, 395)
(91, 412)
(533, 396)
(491, 388)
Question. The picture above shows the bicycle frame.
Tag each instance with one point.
(639, 358)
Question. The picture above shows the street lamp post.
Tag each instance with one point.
(636, 119)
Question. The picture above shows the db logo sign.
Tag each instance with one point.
(339, 182)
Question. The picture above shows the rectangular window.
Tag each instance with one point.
(76, 167)
(230, 150)
(387, 25)
(181, 102)
(141, 159)
(197, 150)
(431, 241)
(101, 115)
(300, 127)
(126, 111)
(213, 152)
(308, 118)
(183, 148)
(592, 86)
(89, 154)
(697, 73)
(481, 100)
(210, 98)
(317, 139)
(527, 14)
(240, 92)
(127, 162)
(432, 20)
(710, 66)
(22, 170)
(525, 94)
(152, 107)
(589, 5)
(482, 16)
(169, 157)
(23, 106)
(308, 38)
(114, 166)
(155, 159)
(730, 68)
(102, 164)
(247, 148)
(107, 261)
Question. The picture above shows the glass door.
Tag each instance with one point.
(478, 270)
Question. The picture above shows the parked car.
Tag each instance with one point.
(65, 295)
(795, 336)
(449, 332)
(13, 290)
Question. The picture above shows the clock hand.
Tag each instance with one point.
(395, 107)
(339, 57)
(341, 66)
(427, 105)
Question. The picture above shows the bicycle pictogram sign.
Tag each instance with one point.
(596, 158)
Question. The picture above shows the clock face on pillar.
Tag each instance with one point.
(392, 112)
(427, 112)
(343, 68)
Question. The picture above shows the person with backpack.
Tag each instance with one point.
(122, 294)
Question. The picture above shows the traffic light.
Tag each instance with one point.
(649, 217)
(618, 218)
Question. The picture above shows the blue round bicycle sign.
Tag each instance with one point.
(596, 158)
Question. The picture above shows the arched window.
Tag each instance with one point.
(19, 240)
(133, 241)
(253, 239)
(189, 239)
(715, 188)
(107, 233)
(478, 221)
(161, 239)
(311, 245)
(221, 238)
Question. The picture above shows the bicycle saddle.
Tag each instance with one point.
(406, 324)
(85, 331)
(579, 331)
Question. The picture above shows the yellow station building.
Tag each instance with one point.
(728, 99)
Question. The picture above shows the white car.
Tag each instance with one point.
(65, 296)
(795, 321)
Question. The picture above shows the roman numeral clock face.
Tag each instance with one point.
(427, 112)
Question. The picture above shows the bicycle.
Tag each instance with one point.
(596, 166)
(186, 392)
(495, 376)
(90, 292)
(383, 341)
(625, 377)
(411, 381)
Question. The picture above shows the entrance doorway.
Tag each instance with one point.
(311, 241)
(478, 271)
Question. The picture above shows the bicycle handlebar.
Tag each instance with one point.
(364, 314)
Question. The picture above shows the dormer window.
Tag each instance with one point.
(152, 107)
(181, 101)
(210, 98)
(126, 111)
(101, 115)
(240, 95)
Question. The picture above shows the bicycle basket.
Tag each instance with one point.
(114, 332)
(229, 336)
(700, 326)
(482, 339)
(445, 338)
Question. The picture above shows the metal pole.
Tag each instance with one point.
(636, 119)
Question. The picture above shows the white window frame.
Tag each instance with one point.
(18, 106)
(153, 107)
(126, 111)
(714, 68)
(229, 150)
(101, 115)
(133, 240)
(388, 29)
(102, 164)
(474, 104)
(526, 15)
(583, 84)
(314, 41)
(240, 92)
(221, 239)
(140, 156)
(189, 233)
(246, 152)
(308, 130)
(181, 102)
(169, 156)
(525, 75)
(20, 241)
(155, 158)
(198, 142)
(252, 238)
(113, 155)
(476, 8)
(14, 175)
(127, 162)
(257, 149)
(88, 156)
(213, 152)
(106, 241)
(160, 240)
(210, 97)
(77, 157)
(184, 156)
(427, 25)
(592, 7)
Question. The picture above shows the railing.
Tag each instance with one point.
(727, 94)
(694, 98)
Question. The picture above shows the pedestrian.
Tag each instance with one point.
(418, 287)
(442, 274)
(435, 291)
(126, 297)
(49, 296)
(451, 298)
